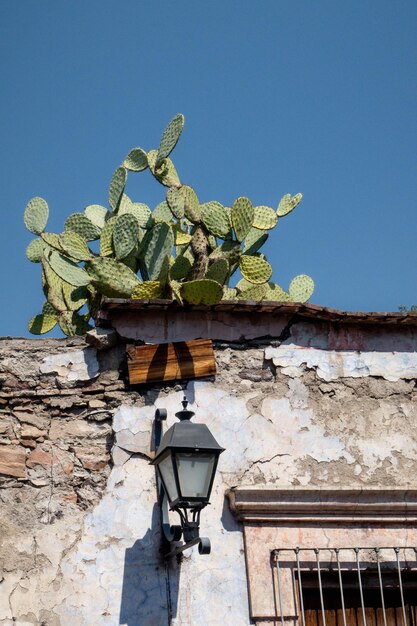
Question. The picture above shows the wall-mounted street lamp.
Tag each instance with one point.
(186, 462)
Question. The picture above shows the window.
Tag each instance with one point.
(350, 587)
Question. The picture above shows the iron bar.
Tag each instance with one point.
(300, 586)
(279, 593)
(317, 551)
(360, 584)
(400, 580)
(342, 599)
(381, 588)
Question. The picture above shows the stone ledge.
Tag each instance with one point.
(310, 506)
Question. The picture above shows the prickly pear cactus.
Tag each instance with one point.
(182, 250)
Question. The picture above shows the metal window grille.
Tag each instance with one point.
(347, 586)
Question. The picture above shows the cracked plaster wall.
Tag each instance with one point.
(79, 527)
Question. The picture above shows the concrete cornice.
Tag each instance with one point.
(310, 506)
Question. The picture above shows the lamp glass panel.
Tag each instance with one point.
(167, 472)
(195, 470)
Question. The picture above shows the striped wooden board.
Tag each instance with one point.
(170, 361)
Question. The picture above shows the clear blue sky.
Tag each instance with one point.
(279, 96)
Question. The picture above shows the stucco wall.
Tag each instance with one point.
(325, 406)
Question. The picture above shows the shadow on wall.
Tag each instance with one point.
(150, 586)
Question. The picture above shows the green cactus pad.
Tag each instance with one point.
(275, 293)
(166, 173)
(74, 246)
(80, 224)
(74, 297)
(34, 251)
(162, 213)
(97, 214)
(255, 269)
(53, 287)
(176, 291)
(256, 293)
(112, 278)
(136, 160)
(181, 237)
(41, 324)
(36, 215)
(243, 284)
(131, 260)
(106, 239)
(147, 289)
(176, 201)
(72, 323)
(229, 293)
(229, 250)
(170, 137)
(216, 219)
(242, 215)
(117, 186)
(141, 211)
(253, 241)
(52, 240)
(288, 204)
(218, 271)
(180, 268)
(156, 246)
(265, 218)
(203, 291)
(192, 208)
(301, 288)
(48, 309)
(68, 270)
(125, 235)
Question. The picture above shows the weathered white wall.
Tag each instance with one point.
(80, 537)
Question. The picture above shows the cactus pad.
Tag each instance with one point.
(136, 160)
(34, 251)
(301, 288)
(52, 240)
(165, 173)
(112, 278)
(218, 271)
(181, 237)
(72, 323)
(192, 209)
(203, 291)
(97, 214)
(253, 241)
(125, 235)
(156, 246)
(80, 224)
(117, 186)
(48, 309)
(162, 213)
(74, 297)
(36, 215)
(229, 293)
(74, 246)
(242, 217)
(180, 268)
(41, 324)
(106, 239)
(147, 289)
(141, 211)
(176, 201)
(288, 204)
(216, 219)
(255, 269)
(256, 293)
(265, 218)
(68, 270)
(275, 293)
(170, 137)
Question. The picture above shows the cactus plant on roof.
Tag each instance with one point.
(183, 249)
